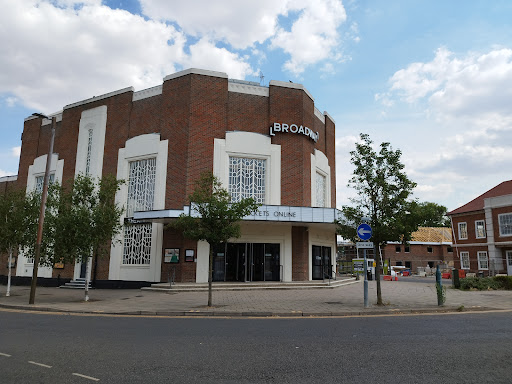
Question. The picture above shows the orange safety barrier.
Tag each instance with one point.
(446, 275)
(388, 278)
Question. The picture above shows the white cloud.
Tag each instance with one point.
(467, 100)
(16, 151)
(239, 23)
(57, 55)
(314, 36)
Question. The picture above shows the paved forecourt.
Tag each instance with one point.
(398, 296)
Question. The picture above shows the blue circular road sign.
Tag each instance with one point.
(364, 231)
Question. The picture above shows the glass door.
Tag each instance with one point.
(317, 262)
(509, 262)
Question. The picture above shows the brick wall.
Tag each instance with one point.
(300, 254)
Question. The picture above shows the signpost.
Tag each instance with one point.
(364, 231)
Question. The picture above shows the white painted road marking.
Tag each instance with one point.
(4, 354)
(41, 365)
(86, 377)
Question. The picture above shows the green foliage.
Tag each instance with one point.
(80, 220)
(382, 191)
(480, 283)
(213, 218)
(504, 281)
(17, 213)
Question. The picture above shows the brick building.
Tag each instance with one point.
(267, 142)
(429, 246)
(482, 232)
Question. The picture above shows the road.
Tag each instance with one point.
(53, 348)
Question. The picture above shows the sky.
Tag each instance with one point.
(433, 78)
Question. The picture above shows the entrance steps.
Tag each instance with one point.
(260, 285)
(76, 284)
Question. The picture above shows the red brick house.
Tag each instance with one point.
(482, 232)
(267, 142)
(429, 246)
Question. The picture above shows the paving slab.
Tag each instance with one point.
(403, 296)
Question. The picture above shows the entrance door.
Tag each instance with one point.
(509, 262)
(321, 262)
(83, 270)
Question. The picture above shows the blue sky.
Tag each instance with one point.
(434, 78)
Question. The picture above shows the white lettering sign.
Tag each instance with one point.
(293, 128)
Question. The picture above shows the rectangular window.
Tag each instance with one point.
(320, 190)
(505, 224)
(464, 260)
(141, 186)
(480, 229)
(463, 231)
(407, 249)
(40, 181)
(137, 244)
(483, 262)
(247, 179)
(449, 250)
(398, 249)
(429, 249)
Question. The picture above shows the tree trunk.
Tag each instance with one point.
(377, 272)
(87, 267)
(8, 293)
(210, 272)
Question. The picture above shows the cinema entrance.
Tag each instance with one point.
(245, 262)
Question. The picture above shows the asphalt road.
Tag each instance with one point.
(46, 348)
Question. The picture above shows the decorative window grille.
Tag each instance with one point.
(505, 224)
(40, 181)
(141, 186)
(320, 190)
(463, 231)
(480, 229)
(137, 244)
(247, 179)
(89, 150)
(464, 260)
(483, 262)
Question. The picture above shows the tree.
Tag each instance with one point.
(214, 218)
(382, 191)
(81, 220)
(17, 212)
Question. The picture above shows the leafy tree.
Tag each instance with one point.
(80, 222)
(382, 191)
(214, 218)
(17, 212)
(430, 215)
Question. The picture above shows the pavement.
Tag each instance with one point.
(406, 296)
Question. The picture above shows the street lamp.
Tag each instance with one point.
(43, 207)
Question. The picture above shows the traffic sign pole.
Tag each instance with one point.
(365, 269)
(364, 231)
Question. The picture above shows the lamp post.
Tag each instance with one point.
(42, 209)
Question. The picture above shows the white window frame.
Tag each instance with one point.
(463, 223)
(464, 255)
(502, 234)
(232, 190)
(483, 228)
(320, 175)
(482, 256)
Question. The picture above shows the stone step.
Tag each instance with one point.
(197, 287)
(76, 284)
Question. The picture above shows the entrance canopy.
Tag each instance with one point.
(266, 213)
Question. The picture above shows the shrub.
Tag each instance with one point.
(504, 281)
(480, 283)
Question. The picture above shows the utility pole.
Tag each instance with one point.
(44, 195)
